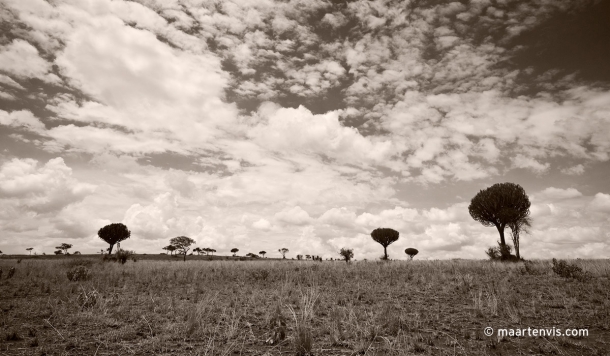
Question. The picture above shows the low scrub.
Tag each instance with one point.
(570, 270)
(79, 273)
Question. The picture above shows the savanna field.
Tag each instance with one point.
(79, 305)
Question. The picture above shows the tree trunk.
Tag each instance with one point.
(184, 259)
(110, 249)
(385, 253)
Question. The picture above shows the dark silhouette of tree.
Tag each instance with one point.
(182, 244)
(347, 254)
(114, 234)
(198, 250)
(29, 249)
(299, 257)
(234, 251)
(500, 205)
(262, 253)
(385, 237)
(411, 252)
(59, 252)
(283, 251)
(307, 257)
(77, 252)
(211, 250)
(518, 227)
(252, 255)
(64, 248)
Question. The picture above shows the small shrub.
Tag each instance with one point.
(79, 273)
(570, 270)
(259, 275)
(88, 299)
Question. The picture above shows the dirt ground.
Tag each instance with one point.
(274, 307)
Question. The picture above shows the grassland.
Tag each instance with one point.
(232, 307)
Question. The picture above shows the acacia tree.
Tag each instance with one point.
(262, 253)
(500, 205)
(347, 254)
(411, 252)
(234, 251)
(283, 251)
(517, 227)
(182, 244)
(113, 234)
(64, 248)
(385, 237)
(29, 249)
(198, 250)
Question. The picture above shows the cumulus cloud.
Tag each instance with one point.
(41, 189)
(293, 216)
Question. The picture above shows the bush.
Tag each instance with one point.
(570, 270)
(501, 253)
(79, 273)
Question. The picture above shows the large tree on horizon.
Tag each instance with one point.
(500, 205)
(113, 234)
(182, 244)
(385, 237)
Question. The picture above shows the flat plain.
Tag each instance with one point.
(164, 306)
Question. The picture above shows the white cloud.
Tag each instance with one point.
(41, 189)
(21, 59)
(294, 216)
(262, 224)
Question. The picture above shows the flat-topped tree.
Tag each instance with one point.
(283, 251)
(64, 248)
(234, 251)
(262, 253)
(411, 252)
(500, 205)
(385, 237)
(29, 249)
(113, 234)
(182, 244)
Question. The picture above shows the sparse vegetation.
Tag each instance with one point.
(283, 251)
(287, 307)
(234, 251)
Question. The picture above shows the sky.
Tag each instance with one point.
(303, 124)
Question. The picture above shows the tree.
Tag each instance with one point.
(262, 253)
(347, 254)
(234, 251)
(114, 234)
(211, 250)
(58, 252)
(198, 250)
(64, 247)
(182, 244)
(385, 237)
(29, 249)
(299, 257)
(283, 251)
(500, 205)
(517, 227)
(252, 255)
(411, 252)
(307, 257)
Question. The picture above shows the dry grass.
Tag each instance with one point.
(298, 308)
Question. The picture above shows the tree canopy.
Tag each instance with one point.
(347, 254)
(182, 244)
(500, 205)
(411, 252)
(385, 237)
(283, 251)
(113, 234)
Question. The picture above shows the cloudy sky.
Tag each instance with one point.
(303, 124)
